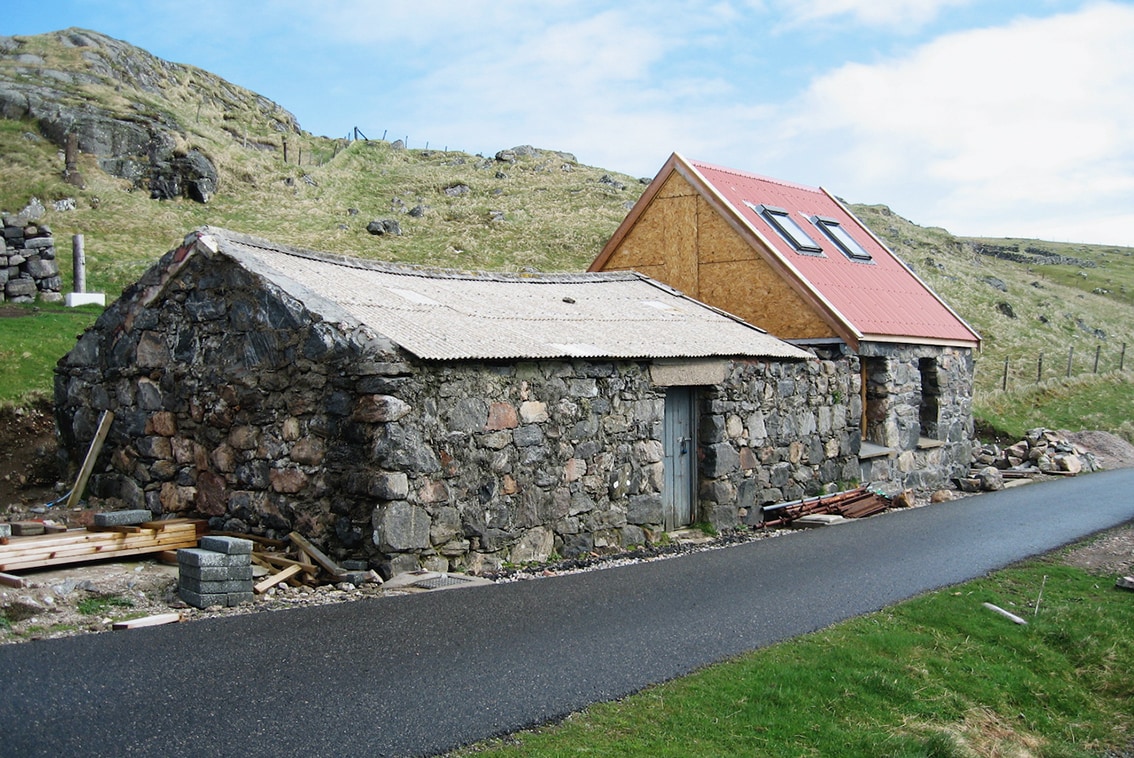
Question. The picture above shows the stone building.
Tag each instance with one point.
(795, 261)
(443, 419)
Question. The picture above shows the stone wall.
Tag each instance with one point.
(774, 432)
(28, 269)
(236, 404)
(919, 405)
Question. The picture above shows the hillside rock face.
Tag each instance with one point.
(110, 94)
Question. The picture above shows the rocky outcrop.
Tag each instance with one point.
(132, 138)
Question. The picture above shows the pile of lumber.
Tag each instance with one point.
(297, 562)
(856, 503)
(98, 542)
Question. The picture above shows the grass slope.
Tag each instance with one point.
(543, 210)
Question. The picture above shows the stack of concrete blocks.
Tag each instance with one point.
(217, 572)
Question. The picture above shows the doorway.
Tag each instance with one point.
(679, 439)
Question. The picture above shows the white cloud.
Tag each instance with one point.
(884, 13)
(996, 130)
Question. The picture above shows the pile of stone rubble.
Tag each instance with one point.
(1042, 451)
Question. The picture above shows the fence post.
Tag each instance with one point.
(285, 149)
(79, 263)
(1070, 357)
(1039, 369)
(1004, 380)
(1097, 349)
(1122, 358)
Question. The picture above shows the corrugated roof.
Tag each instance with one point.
(451, 315)
(880, 299)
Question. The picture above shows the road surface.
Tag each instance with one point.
(421, 674)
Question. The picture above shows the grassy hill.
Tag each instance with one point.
(526, 207)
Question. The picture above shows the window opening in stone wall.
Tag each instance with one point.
(874, 400)
(930, 411)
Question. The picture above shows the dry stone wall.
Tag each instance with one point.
(28, 268)
(237, 404)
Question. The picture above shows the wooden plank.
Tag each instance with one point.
(271, 560)
(316, 554)
(80, 545)
(254, 538)
(46, 542)
(8, 580)
(92, 455)
(157, 619)
(271, 581)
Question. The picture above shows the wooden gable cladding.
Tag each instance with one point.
(680, 239)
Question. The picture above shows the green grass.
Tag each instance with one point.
(936, 676)
(32, 343)
(98, 605)
(1104, 401)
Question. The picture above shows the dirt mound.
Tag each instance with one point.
(1111, 450)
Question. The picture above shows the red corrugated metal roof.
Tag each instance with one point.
(879, 299)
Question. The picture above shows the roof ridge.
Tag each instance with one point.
(750, 175)
(415, 270)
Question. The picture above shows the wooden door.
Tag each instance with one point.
(680, 441)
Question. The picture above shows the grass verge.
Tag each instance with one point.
(32, 340)
(1096, 401)
(937, 676)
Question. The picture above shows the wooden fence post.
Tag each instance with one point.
(1122, 358)
(1070, 357)
(1097, 349)
(285, 149)
(1004, 380)
(1039, 369)
(79, 263)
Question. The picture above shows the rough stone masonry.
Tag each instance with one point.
(28, 268)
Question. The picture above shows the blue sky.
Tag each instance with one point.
(985, 117)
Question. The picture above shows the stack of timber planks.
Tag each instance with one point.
(96, 543)
(857, 503)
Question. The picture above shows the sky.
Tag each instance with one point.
(1000, 118)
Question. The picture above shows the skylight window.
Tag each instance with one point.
(842, 239)
(787, 227)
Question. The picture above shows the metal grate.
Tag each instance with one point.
(437, 582)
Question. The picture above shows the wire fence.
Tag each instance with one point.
(1017, 373)
(296, 154)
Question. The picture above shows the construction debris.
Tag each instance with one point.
(219, 572)
(297, 563)
(1042, 451)
(856, 503)
(96, 543)
(158, 619)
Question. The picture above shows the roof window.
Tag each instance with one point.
(842, 239)
(787, 227)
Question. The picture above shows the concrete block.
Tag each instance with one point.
(5, 530)
(227, 545)
(198, 600)
(195, 556)
(27, 528)
(818, 519)
(214, 588)
(123, 518)
(215, 573)
(85, 298)
(240, 598)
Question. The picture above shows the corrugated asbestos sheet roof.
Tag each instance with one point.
(448, 315)
(880, 298)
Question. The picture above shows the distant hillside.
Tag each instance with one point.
(149, 128)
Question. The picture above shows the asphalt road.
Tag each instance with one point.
(422, 674)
